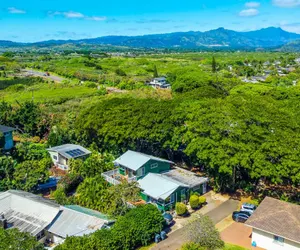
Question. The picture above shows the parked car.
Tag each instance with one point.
(246, 207)
(168, 219)
(240, 216)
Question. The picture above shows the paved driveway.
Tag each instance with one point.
(238, 234)
(177, 239)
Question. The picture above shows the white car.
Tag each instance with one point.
(246, 207)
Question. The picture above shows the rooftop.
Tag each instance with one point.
(70, 151)
(277, 217)
(5, 129)
(27, 212)
(158, 186)
(134, 160)
(186, 177)
(71, 222)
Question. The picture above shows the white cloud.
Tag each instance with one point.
(252, 4)
(96, 18)
(76, 15)
(249, 13)
(14, 10)
(286, 3)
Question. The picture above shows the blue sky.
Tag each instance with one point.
(36, 20)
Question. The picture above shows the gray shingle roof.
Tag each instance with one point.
(5, 129)
(134, 160)
(70, 151)
(184, 176)
(74, 223)
(277, 217)
(158, 186)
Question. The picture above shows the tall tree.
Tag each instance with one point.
(214, 65)
(155, 73)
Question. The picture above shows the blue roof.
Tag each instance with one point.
(134, 160)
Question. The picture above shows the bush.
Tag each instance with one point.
(194, 201)
(180, 208)
(192, 246)
(202, 200)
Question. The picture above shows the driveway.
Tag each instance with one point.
(41, 74)
(177, 239)
(238, 234)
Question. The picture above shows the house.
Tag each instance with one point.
(160, 82)
(46, 220)
(276, 225)
(8, 136)
(61, 155)
(161, 183)
(297, 60)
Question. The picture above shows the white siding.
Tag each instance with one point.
(266, 241)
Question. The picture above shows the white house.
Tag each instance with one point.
(160, 82)
(297, 60)
(276, 225)
(61, 155)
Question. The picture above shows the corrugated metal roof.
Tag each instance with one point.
(27, 212)
(158, 186)
(184, 176)
(74, 223)
(66, 150)
(134, 160)
(5, 129)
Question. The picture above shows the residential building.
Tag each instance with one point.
(276, 225)
(49, 222)
(134, 165)
(8, 136)
(61, 155)
(297, 60)
(160, 82)
(161, 183)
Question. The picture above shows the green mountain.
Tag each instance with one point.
(221, 38)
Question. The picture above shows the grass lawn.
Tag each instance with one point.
(233, 247)
(45, 93)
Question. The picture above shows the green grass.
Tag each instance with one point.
(47, 93)
(233, 247)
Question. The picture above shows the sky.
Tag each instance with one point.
(38, 20)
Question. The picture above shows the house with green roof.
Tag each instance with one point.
(160, 181)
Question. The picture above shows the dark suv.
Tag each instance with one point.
(240, 216)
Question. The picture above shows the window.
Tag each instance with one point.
(196, 188)
(182, 192)
(278, 239)
(54, 157)
(154, 165)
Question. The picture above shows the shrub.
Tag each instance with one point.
(91, 85)
(202, 200)
(194, 201)
(180, 208)
(192, 246)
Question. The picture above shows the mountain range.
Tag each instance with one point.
(267, 38)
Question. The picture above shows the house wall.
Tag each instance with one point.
(266, 241)
(150, 167)
(58, 159)
(9, 142)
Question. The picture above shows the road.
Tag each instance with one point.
(41, 74)
(177, 239)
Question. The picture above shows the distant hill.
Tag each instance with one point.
(292, 46)
(267, 38)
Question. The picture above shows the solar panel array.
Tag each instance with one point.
(75, 152)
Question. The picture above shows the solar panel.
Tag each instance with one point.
(75, 152)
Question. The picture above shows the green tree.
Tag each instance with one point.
(202, 231)
(155, 73)
(214, 65)
(14, 239)
(194, 201)
(180, 208)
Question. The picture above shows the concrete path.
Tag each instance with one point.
(42, 74)
(177, 239)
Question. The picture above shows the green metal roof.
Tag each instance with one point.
(88, 211)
